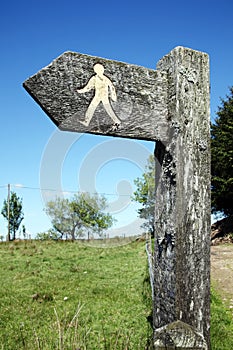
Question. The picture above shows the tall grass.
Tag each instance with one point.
(63, 295)
(221, 324)
(68, 296)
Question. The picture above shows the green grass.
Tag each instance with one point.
(221, 324)
(63, 295)
(69, 296)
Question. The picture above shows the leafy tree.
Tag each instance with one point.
(83, 212)
(61, 216)
(145, 195)
(15, 214)
(222, 158)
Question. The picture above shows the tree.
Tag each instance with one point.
(14, 214)
(82, 213)
(145, 195)
(61, 216)
(222, 158)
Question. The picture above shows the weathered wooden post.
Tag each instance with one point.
(169, 105)
(182, 239)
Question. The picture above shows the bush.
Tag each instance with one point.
(49, 235)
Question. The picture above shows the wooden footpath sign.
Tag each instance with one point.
(169, 105)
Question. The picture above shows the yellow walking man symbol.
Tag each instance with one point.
(102, 86)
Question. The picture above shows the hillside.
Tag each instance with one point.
(64, 295)
(70, 296)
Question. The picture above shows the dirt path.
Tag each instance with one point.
(222, 271)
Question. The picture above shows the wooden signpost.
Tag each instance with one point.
(169, 105)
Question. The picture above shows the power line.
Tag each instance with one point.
(64, 191)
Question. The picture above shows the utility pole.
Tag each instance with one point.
(8, 211)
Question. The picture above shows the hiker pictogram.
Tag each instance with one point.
(103, 88)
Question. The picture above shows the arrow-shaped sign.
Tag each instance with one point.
(90, 94)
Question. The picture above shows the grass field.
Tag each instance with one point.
(64, 295)
(69, 296)
(221, 324)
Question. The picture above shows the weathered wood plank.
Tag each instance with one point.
(141, 97)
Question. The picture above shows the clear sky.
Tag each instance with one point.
(33, 33)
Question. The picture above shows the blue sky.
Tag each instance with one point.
(33, 33)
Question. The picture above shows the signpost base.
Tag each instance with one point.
(180, 336)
